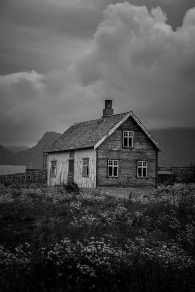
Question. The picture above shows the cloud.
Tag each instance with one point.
(33, 103)
(139, 61)
(134, 58)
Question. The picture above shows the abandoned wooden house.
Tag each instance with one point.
(113, 151)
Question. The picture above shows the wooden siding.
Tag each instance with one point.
(85, 182)
(62, 165)
(143, 149)
(61, 176)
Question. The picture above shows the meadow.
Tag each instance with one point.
(79, 241)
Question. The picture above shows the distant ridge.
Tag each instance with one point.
(16, 149)
(32, 157)
(6, 156)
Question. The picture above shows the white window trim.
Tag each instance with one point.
(129, 134)
(53, 167)
(143, 165)
(85, 166)
(114, 164)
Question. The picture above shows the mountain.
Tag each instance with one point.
(32, 157)
(178, 145)
(15, 149)
(6, 156)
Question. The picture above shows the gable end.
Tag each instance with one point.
(120, 123)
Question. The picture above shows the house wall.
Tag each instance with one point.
(61, 176)
(87, 182)
(62, 165)
(112, 148)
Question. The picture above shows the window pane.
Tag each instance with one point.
(130, 142)
(85, 166)
(109, 171)
(85, 161)
(71, 165)
(144, 172)
(125, 143)
(139, 172)
(115, 171)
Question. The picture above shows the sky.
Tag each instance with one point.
(60, 59)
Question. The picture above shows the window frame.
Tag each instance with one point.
(85, 169)
(53, 167)
(143, 166)
(113, 164)
(129, 136)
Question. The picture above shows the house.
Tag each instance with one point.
(113, 151)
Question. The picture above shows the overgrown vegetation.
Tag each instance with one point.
(73, 241)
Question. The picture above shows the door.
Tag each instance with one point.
(71, 171)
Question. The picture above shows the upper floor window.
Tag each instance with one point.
(53, 167)
(113, 168)
(85, 167)
(128, 139)
(142, 169)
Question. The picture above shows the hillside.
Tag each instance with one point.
(6, 156)
(15, 149)
(32, 157)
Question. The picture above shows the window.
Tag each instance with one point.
(128, 139)
(142, 169)
(85, 167)
(113, 168)
(53, 167)
(71, 154)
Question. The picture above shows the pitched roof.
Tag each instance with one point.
(93, 133)
(85, 134)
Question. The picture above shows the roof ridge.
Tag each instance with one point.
(100, 118)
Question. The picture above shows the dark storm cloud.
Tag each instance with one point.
(60, 16)
(139, 61)
(54, 72)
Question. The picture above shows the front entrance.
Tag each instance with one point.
(71, 171)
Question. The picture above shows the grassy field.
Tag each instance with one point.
(74, 241)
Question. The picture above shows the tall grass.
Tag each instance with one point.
(74, 241)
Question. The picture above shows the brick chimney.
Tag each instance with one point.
(108, 111)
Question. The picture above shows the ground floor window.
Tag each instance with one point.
(85, 167)
(53, 167)
(113, 168)
(142, 167)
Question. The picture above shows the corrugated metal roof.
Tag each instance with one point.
(93, 133)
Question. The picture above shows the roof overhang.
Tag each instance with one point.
(130, 114)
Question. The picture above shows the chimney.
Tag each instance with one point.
(108, 111)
